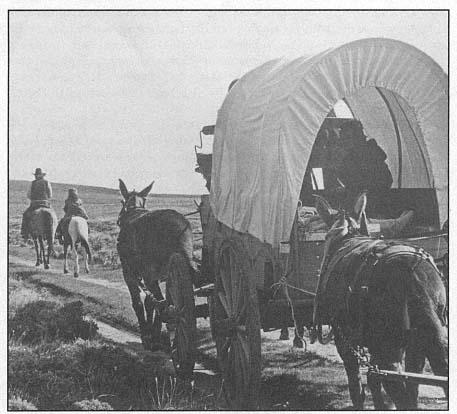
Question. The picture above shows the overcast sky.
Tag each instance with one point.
(97, 96)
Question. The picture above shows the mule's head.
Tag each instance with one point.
(132, 199)
(342, 224)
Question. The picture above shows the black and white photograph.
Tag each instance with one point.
(240, 208)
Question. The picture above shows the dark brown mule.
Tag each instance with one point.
(42, 226)
(387, 296)
(147, 240)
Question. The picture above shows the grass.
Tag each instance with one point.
(51, 371)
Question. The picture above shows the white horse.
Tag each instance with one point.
(78, 232)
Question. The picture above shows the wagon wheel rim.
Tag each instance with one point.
(239, 346)
(182, 329)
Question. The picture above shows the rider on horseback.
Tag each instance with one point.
(73, 207)
(40, 194)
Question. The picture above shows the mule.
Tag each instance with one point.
(147, 239)
(77, 233)
(41, 227)
(386, 296)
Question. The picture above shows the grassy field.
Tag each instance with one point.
(50, 377)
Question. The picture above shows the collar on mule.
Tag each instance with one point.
(134, 202)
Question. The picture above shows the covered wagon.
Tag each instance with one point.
(273, 149)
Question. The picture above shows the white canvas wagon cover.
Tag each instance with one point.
(269, 120)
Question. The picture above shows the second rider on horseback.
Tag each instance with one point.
(73, 207)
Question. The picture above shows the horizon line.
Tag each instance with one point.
(110, 188)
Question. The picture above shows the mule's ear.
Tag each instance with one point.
(324, 209)
(145, 191)
(364, 224)
(123, 188)
(360, 205)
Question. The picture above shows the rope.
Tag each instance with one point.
(282, 283)
(192, 213)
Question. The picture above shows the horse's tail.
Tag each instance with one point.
(86, 246)
(50, 223)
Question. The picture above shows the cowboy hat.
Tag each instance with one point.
(39, 172)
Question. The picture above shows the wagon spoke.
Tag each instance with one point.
(240, 370)
(241, 314)
(225, 277)
(226, 345)
(235, 274)
(224, 303)
(234, 370)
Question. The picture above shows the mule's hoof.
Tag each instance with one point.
(46, 266)
(37, 264)
(312, 336)
(284, 336)
(76, 274)
(65, 271)
(298, 343)
(87, 271)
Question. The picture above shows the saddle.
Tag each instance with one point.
(36, 204)
(62, 227)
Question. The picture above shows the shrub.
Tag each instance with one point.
(46, 321)
(16, 403)
(91, 405)
(19, 295)
(58, 375)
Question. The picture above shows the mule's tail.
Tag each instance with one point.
(186, 244)
(427, 302)
(86, 246)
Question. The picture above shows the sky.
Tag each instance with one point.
(95, 95)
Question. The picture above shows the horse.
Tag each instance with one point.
(78, 232)
(42, 225)
(384, 295)
(146, 242)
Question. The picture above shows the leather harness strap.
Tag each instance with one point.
(366, 255)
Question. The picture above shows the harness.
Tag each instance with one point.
(128, 217)
(357, 261)
(137, 231)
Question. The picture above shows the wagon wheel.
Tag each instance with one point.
(235, 326)
(182, 325)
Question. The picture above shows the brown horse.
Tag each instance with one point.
(42, 226)
(387, 296)
(146, 242)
